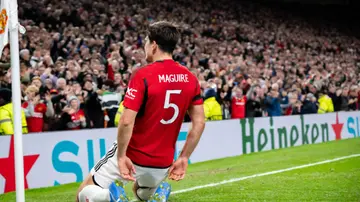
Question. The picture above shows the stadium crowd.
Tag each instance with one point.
(77, 58)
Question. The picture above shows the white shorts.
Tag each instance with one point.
(148, 179)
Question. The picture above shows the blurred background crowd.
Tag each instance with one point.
(251, 59)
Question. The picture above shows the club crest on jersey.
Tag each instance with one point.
(130, 93)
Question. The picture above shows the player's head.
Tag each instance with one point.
(161, 39)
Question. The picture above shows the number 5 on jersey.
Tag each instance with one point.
(168, 105)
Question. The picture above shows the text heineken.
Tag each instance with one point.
(269, 138)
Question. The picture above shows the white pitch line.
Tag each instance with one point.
(264, 174)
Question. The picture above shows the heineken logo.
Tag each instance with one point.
(264, 134)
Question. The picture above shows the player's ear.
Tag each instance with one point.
(154, 47)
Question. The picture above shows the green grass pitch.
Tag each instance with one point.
(336, 181)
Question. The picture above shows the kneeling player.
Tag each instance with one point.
(105, 183)
(156, 101)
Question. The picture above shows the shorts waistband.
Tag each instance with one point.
(150, 166)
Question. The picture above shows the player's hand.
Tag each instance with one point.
(178, 169)
(126, 168)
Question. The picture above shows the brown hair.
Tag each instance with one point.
(165, 34)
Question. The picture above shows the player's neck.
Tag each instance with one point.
(162, 57)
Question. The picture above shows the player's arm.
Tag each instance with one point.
(132, 103)
(196, 113)
(197, 116)
(125, 128)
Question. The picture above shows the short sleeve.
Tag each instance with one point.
(197, 100)
(135, 93)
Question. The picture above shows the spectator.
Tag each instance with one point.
(294, 105)
(36, 81)
(325, 102)
(79, 93)
(309, 105)
(345, 99)
(25, 56)
(61, 84)
(224, 97)
(73, 117)
(36, 59)
(35, 110)
(58, 103)
(65, 49)
(48, 74)
(238, 102)
(284, 103)
(6, 114)
(272, 102)
(212, 108)
(92, 106)
(353, 99)
(255, 102)
(110, 102)
(335, 95)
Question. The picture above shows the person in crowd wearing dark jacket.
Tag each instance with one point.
(92, 106)
(273, 102)
(59, 102)
(309, 105)
(73, 118)
(294, 106)
(353, 99)
(335, 96)
(345, 99)
(252, 104)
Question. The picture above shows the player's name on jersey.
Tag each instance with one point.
(173, 78)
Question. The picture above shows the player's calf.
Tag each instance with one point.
(89, 192)
(94, 193)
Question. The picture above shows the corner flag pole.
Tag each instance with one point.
(16, 99)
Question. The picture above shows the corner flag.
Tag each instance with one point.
(9, 24)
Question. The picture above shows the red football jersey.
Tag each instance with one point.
(161, 93)
(36, 122)
(75, 123)
(238, 107)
